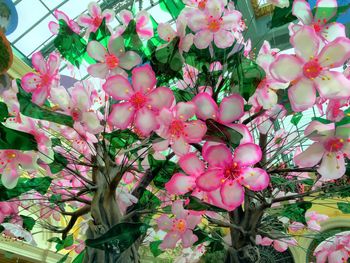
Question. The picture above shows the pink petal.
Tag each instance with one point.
(193, 219)
(301, 9)
(54, 27)
(39, 62)
(266, 97)
(142, 19)
(98, 70)
(145, 121)
(125, 16)
(185, 110)
(180, 146)
(30, 82)
(231, 108)
(166, 32)
(122, 115)
(116, 45)
(61, 15)
(94, 9)
(286, 68)
(231, 19)
(203, 38)
(108, 14)
(302, 95)
(232, 193)
(160, 98)
(247, 154)
(335, 53)
(178, 210)
(170, 240)
(318, 131)
(194, 131)
(85, 20)
(333, 85)
(305, 42)
(218, 156)
(96, 51)
(206, 106)
(338, 256)
(214, 8)
(9, 178)
(143, 79)
(255, 179)
(311, 156)
(92, 122)
(145, 33)
(160, 145)
(40, 95)
(333, 31)
(53, 63)
(198, 21)
(118, 87)
(210, 180)
(223, 38)
(187, 42)
(188, 238)
(191, 164)
(180, 184)
(129, 60)
(164, 223)
(280, 245)
(165, 117)
(332, 166)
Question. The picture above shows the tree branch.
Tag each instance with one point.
(289, 170)
(253, 117)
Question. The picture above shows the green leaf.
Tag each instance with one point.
(80, 257)
(28, 222)
(246, 74)
(162, 170)
(4, 113)
(296, 118)
(41, 185)
(120, 236)
(221, 133)
(67, 242)
(182, 95)
(58, 164)
(324, 121)
(132, 39)
(173, 7)
(70, 45)
(197, 205)
(63, 259)
(344, 207)
(102, 34)
(121, 139)
(154, 247)
(296, 212)
(282, 16)
(147, 201)
(16, 140)
(32, 110)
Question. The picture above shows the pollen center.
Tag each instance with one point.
(334, 144)
(214, 24)
(312, 69)
(111, 61)
(138, 100)
(180, 225)
(177, 128)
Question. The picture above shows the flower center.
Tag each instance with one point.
(138, 100)
(8, 156)
(97, 21)
(312, 69)
(112, 61)
(233, 172)
(214, 24)
(179, 225)
(76, 114)
(317, 27)
(176, 128)
(202, 4)
(45, 80)
(334, 144)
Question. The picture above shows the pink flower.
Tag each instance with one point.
(334, 249)
(113, 61)
(190, 76)
(280, 245)
(179, 227)
(141, 101)
(8, 209)
(232, 173)
(11, 163)
(313, 219)
(330, 145)
(178, 130)
(46, 77)
(143, 27)
(308, 70)
(94, 19)
(213, 24)
(54, 27)
(325, 11)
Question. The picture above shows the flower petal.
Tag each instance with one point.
(30, 82)
(129, 60)
(301, 9)
(335, 53)
(223, 38)
(164, 222)
(108, 14)
(255, 179)
(286, 68)
(166, 32)
(98, 70)
(305, 42)
(160, 98)
(231, 108)
(188, 238)
(243, 130)
(197, 21)
(122, 115)
(333, 85)
(232, 193)
(191, 164)
(247, 154)
(94, 9)
(332, 166)
(9, 178)
(39, 62)
(206, 106)
(311, 156)
(180, 184)
(170, 240)
(143, 78)
(116, 45)
(210, 180)
(203, 38)
(180, 146)
(185, 110)
(178, 210)
(333, 31)
(218, 156)
(118, 87)
(145, 121)
(125, 16)
(194, 131)
(302, 95)
(96, 51)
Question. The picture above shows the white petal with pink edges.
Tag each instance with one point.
(247, 154)
(166, 32)
(161, 97)
(129, 60)
(210, 180)
(223, 38)
(122, 115)
(332, 166)
(145, 121)
(39, 62)
(96, 51)
(180, 184)
(185, 110)
(255, 179)
(286, 68)
(118, 87)
(194, 131)
(191, 164)
(305, 42)
(302, 95)
(203, 38)
(180, 146)
(232, 193)
(218, 156)
(98, 70)
(333, 31)
(197, 20)
(164, 222)
(116, 45)
(301, 9)
(335, 53)
(143, 79)
(333, 85)
(206, 106)
(231, 108)
(311, 156)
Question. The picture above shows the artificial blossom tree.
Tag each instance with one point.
(176, 137)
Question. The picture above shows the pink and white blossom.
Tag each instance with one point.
(144, 28)
(59, 15)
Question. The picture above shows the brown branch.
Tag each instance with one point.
(289, 170)
(225, 224)
(253, 117)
